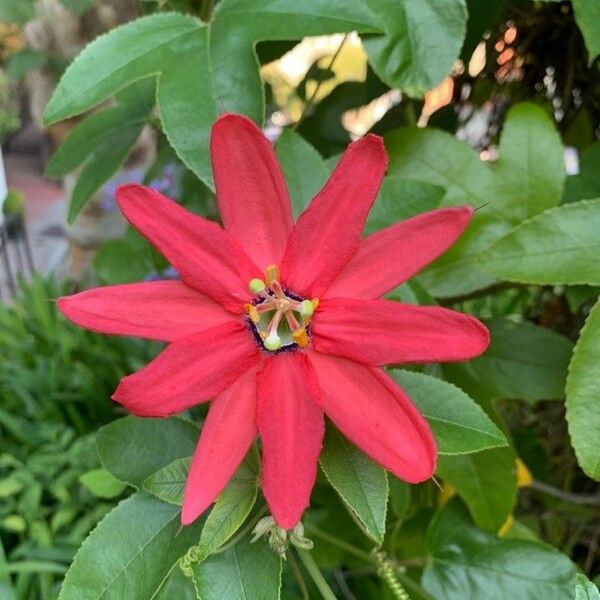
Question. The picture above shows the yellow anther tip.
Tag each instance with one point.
(300, 337)
(272, 274)
(252, 313)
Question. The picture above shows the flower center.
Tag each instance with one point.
(279, 318)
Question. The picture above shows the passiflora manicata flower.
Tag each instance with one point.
(280, 324)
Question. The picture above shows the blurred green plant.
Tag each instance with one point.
(55, 382)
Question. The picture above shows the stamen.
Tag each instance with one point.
(300, 337)
(307, 309)
(272, 342)
(271, 297)
(256, 286)
(252, 313)
(271, 275)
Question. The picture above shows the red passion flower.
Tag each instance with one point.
(281, 323)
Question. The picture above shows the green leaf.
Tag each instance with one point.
(78, 6)
(530, 171)
(168, 483)
(587, 16)
(361, 484)
(130, 553)
(524, 361)
(486, 481)
(24, 61)
(9, 486)
(6, 589)
(233, 505)
(400, 199)
(459, 424)
(194, 78)
(469, 563)
(420, 44)
(102, 483)
(585, 589)
(560, 246)
(231, 508)
(243, 572)
(583, 391)
(517, 186)
(147, 444)
(303, 167)
(16, 11)
(102, 142)
(585, 185)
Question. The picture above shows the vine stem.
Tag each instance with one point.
(314, 531)
(315, 574)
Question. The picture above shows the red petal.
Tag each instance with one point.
(389, 257)
(376, 415)
(251, 192)
(227, 434)
(291, 427)
(206, 257)
(156, 310)
(327, 233)
(382, 332)
(189, 371)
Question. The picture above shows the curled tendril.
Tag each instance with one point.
(386, 569)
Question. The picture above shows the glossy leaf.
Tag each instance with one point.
(420, 44)
(303, 167)
(194, 81)
(585, 589)
(400, 199)
(469, 563)
(583, 391)
(587, 15)
(516, 187)
(243, 572)
(524, 361)
(168, 483)
(231, 508)
(233, 505)
(486, 481)
(148, 445)
(459, 424)
(361, 484)
(102, 483)
(130, 553)
(560, 246)
(101, 143)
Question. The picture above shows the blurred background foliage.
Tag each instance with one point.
(496, 104)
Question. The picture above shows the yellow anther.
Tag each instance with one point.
(300, 337)
(252, 313)
(271, 274)
(315, 303)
